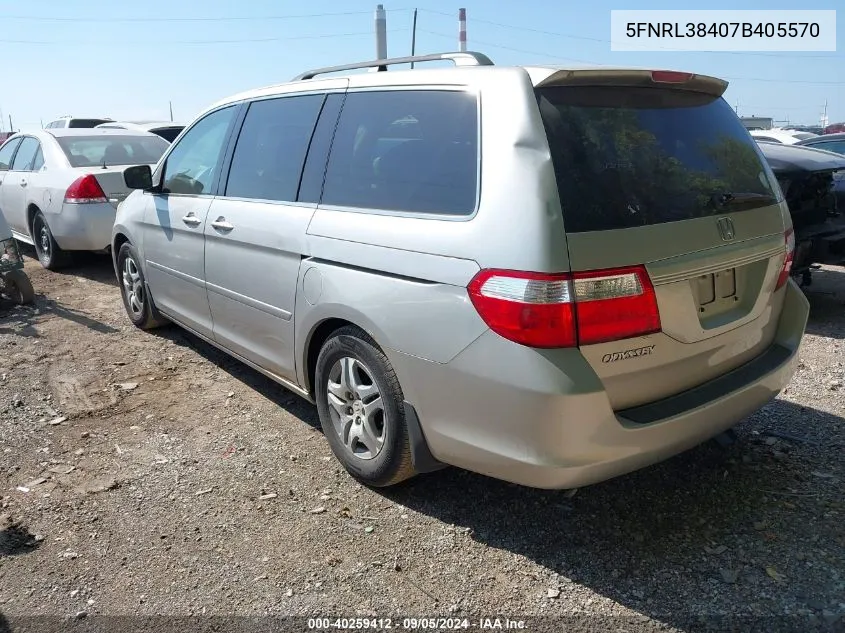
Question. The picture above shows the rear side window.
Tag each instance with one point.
(405, 150)
(26, 154)
(6, 153)
(86, 123)
(97, 151)
(271, 148)
(627, 157)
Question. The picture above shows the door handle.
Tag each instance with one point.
(23, 183)
(191, 220)
(221, 225)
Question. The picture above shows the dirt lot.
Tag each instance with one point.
(147, 473)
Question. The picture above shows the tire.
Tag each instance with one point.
(50, 254)
(133, 289)
(18, 287)
(372, 445)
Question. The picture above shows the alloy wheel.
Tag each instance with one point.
(133, 287)
(356, 408)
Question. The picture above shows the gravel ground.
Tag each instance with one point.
(148, 474)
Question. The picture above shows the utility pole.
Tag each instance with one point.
(824, 120)
(2, 124)
(414, 37)
(171, 110)
(462, 30)
(11, 126)
(381, 32)
(736, 108)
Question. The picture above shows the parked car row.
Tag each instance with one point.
(785, 136)
(168, 130)
(60, 187)
(552, 276)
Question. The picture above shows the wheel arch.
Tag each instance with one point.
(319, 323)
(118, 239)
(318, 335)
(31, 210)
(421, 456)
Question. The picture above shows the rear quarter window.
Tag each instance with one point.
(405, 150)
(626, 157)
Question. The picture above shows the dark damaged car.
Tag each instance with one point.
(813, 182)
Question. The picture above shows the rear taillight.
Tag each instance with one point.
(566, 310)
(528, 308)
(789, 237)
(85, 190)
(615, 304)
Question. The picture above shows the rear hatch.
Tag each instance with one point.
(664, 190)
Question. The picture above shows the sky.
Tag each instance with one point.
(129, 60)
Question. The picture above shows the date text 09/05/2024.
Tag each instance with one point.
(677, 30)
(414, 624)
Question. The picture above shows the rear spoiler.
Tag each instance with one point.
(632, 77)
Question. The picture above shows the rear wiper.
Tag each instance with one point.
(724, 199)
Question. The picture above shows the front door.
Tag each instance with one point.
(7, 153)
(255, 233)
(17, 182)
(174, 221)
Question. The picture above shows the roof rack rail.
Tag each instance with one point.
(460, 59)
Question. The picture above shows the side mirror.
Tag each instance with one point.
(138, 177)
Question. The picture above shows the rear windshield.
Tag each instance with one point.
(169, 134)
(627, 157)
(90, 151)
(86, 123)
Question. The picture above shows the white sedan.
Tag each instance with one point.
(59, 188)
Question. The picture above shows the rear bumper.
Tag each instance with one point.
(82, 227)
(510, 412)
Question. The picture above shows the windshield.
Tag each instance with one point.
(628, 157)
(93, 151)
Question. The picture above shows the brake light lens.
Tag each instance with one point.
(670, 77)
(789, 237)
(528, 308)
(566, 310)
(85, 190)
(615, 304)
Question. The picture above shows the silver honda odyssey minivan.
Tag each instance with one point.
(552, 276)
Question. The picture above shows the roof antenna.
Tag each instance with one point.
(381, 35)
